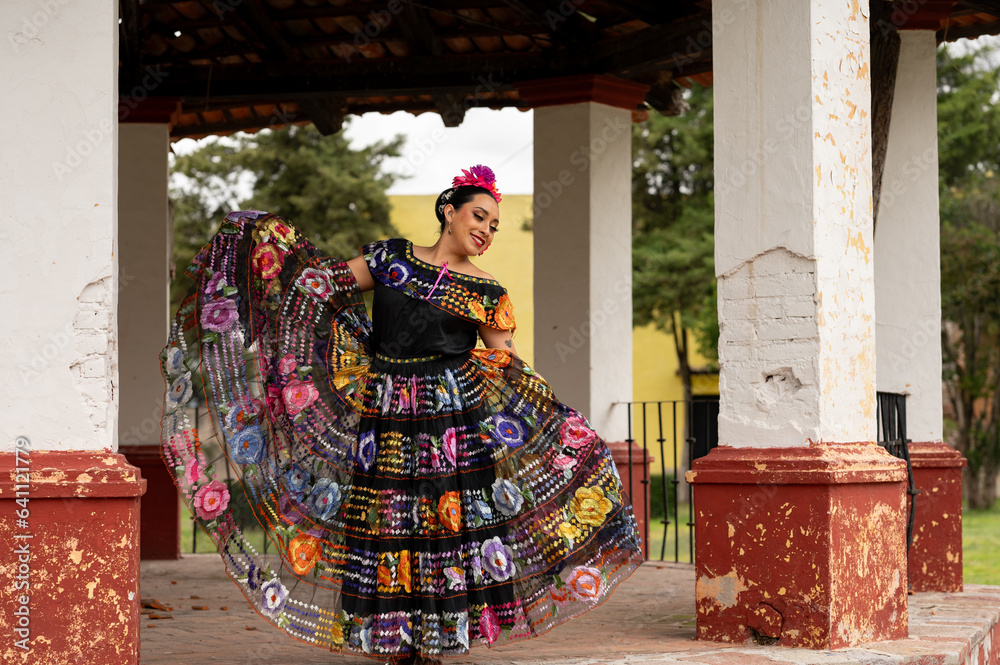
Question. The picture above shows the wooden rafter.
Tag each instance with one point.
(419, 32)
(953, 32)
(444, 64)
(661, 46)
(328, 115)
(989, 6)
(653, 12)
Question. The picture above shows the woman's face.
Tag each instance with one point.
(474, 224)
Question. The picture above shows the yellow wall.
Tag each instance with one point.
(654, 361)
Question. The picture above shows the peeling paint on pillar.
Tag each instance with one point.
(84, 558)
(935, 558)
(805, 546)
(797, 503)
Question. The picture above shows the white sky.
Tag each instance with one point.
(433, 154)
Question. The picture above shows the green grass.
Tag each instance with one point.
(981, 545)
(203, 543)
(674, 545)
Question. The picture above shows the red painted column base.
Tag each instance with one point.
(637, 490)
(160, 523)
(801, 547)
(935, 559)
(71, 567)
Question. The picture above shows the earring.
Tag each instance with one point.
(449, 227)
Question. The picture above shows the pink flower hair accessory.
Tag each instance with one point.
(480, 176)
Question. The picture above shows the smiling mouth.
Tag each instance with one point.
(479, 241)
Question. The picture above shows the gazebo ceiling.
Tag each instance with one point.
(248, 64)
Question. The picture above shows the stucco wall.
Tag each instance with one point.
(58, 198)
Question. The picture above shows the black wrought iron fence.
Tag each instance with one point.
(673, 433)
(242, 512)
(891, 417)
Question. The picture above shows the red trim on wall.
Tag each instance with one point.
(923, 15)
(154, 110)
(602, 88)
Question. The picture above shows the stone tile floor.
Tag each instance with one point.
(650, 619)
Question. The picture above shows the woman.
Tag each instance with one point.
(423, 494)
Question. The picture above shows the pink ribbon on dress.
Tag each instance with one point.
(441, 273)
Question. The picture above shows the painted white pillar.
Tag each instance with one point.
(58, 222)
(583, 258)
(907, 243)
(794, 223)
(797, 503)
(77, 502)
(144, 296)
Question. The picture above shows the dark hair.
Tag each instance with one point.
(458, 197)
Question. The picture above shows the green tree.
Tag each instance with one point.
(673, 222)
(333, 194)
(969, 155)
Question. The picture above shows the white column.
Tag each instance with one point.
(583, 258)
(794, 222)
(58, 224)
(907, 243)
(144, 296)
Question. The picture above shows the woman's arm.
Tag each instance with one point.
(497, 339)
(359, 267)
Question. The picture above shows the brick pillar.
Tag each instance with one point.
(799, 516)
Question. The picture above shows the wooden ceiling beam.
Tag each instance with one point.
(422, 74)
(653, 12)
(260, 122)
(953, 32)
(684, 42)
(255, 123)
(384, 35)
(131, 43)
(659, 47)
(361, 10)
(327, 115)
(419, 32)
(988, 6)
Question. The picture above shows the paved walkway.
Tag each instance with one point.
(650, 619)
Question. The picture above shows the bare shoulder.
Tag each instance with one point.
(481, 274)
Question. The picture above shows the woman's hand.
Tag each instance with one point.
(362, 275)
(498, 339)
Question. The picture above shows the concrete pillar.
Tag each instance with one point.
(68, 503)
(800, 534)
(583, 242)
(908, 312)
(144, 232)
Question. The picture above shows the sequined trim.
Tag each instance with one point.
(407, 361)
